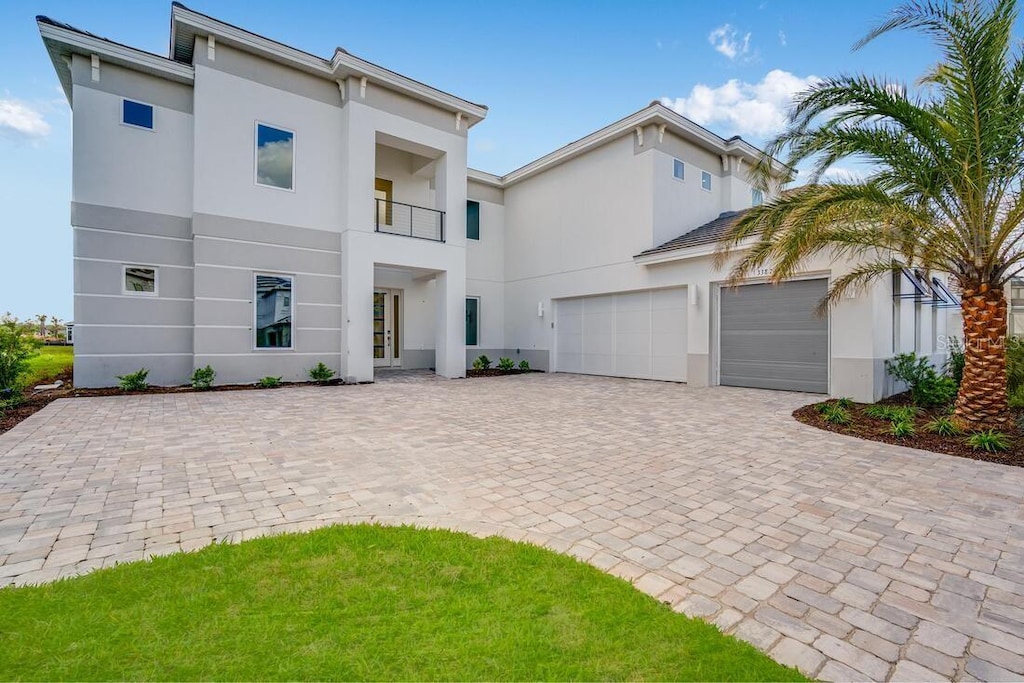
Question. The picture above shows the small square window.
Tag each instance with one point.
(705, 180)
(472, 220)
(137, 114)
(275, 157)
(756, 197)
(140, 280)
(678, 169)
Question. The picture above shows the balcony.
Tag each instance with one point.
(396, 218)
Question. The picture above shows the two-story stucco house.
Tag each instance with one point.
(243, 204)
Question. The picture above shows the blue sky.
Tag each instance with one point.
(551, 72)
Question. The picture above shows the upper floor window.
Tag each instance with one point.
(705, 180)
(275, 157)
(756, 197)
(137, 114)
(472, 220)
(678, 169)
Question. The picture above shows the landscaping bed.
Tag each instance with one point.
(496, 372)
(863, 426)
(362, 602)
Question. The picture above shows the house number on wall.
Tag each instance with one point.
(763, 272)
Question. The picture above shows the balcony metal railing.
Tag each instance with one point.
(396, 218)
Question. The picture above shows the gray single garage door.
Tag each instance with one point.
(771, 338)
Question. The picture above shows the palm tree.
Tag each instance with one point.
(942, 193)
(42, 325)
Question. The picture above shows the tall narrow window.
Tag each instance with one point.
(472, 220)
(383, 194)
(273, 311)
(678, 169)
(756, 197)
(705, 180)
(472, 321)
(137, 114)
(275, 157)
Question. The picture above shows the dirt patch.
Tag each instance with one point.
(872, 429)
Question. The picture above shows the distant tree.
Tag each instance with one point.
(42, 325)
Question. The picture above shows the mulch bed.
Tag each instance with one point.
(36, 401)
(864, 427)
(496, 372)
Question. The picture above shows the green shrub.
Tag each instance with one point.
(17, 345)
(836, 414)
(881, 411)
(268, 382)
(954, 366)
(524, 365)
(506, 364)
(135, 381)
(844, 402)
(943, 426)
(1016, 397)
(902, 428)
(202, 378)
(1014, 364)
(927, 387)
(320, 373)
(989, 440)
(482, 363)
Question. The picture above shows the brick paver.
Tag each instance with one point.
(845, 558)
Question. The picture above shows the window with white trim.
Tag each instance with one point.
(705, 180)
(275, 157)
(273, 302)
(137, 114)
(140, 280)
(678, 169)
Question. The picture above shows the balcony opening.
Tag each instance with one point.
(406, 189)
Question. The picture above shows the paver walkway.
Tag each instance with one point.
(848, 559)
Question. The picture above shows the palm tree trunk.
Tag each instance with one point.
(981, 402)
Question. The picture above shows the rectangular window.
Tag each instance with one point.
(273, 312)
(472, 321)
(383, 195)
(678, 169)
(140, 280)
(275, 157)
(137, 114)
(472, 220)
(705, 180)
(756, 197)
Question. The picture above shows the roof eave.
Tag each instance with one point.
(484, 177)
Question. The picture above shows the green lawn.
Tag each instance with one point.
(361, 602)
(51, 361)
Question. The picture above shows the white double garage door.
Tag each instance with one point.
(769, 336)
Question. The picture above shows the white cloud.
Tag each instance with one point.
(18, 119)
(758, 110)
(726, 40)
(274, 163)
(839, 174)
(782, 38)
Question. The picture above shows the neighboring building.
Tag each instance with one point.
(259, 209)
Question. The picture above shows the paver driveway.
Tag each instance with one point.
(849, 559)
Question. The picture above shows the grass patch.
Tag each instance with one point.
(51, 361)
(361, 602)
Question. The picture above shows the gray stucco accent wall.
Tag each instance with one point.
(117, 332)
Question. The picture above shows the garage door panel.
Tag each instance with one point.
(771, 338)
(633, 334)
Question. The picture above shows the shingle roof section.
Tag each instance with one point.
(709, 233)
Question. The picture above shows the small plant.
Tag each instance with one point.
(881, 411)
(506, 364)
(202, 378)
(989, 441)
(482, 363)
(320, 373)
(902, 428)
(268, 382)
(135, 381)
(1016, 397)
(927, 387)
(524, 365)
(943, 426)
(835, 414)
(844, 402)
(954, 366)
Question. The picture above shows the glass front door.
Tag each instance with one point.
(387, 313)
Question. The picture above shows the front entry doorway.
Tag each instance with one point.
(387, 332)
